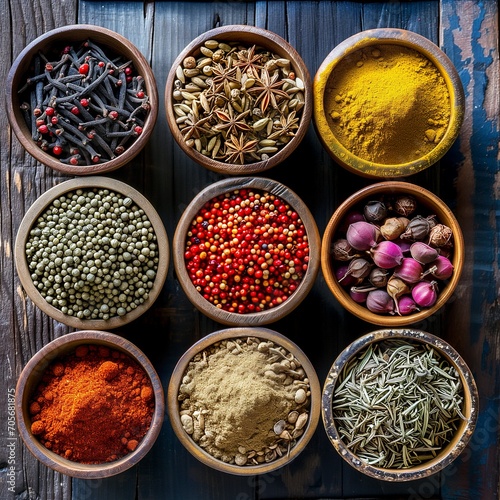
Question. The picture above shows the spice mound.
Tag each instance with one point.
(246, 251)
(93, 405)
(388, 104)
(236, 103)
(392, 256)
(93, 254)
(245, 401)
(87, 106)
(398, 404)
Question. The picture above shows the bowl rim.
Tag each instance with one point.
(35, 368)
(256, 318)
(450, 452)
(431, 201)
(274, 42)
(39, 206)
(243, 332)
(395, 36)
(76, 32)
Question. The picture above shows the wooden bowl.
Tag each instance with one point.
(268, 314)
(368, 166)
(430, 204)
(56, 312)
(246, 37)
(31, 376)
(457, 442)
(56, 40)
(205, 347)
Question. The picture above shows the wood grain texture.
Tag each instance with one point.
(466, 179)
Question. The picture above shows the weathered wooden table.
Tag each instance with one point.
(467, 179)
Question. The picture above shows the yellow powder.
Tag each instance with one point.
(388, 104)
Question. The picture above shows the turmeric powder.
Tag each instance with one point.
(388, 104)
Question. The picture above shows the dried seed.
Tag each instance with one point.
(301, 421)
(204, 62)
(179, 73)
(260, 124)
(279, 427)
(225, 47)
(212, 44)
(206, 51)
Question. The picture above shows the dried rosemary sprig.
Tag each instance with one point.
(398, 404)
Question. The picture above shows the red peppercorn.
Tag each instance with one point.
(246, 268)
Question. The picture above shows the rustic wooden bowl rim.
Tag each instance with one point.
(71, 33)
(432, 203)
(39, 206)
(30, 376)
(232, 333)
(266, 39)
(395, 36)
(456, 445)
(262, 317)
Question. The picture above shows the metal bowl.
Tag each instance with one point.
(444, 456)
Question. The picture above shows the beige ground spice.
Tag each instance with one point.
(237, 395)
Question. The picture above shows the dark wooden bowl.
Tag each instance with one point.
(247, 36)
(428, 202)
(30, 377)
(229, 334)
(68, 35)
(374, 37)
(465, 427)
(41, 204)
(252, 318)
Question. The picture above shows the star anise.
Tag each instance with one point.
(195, 127)
(249, 61)
(230, 123)
(222, 75)
(268, 89)
(285, 126)
(236, 148)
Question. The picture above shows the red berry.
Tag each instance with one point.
(57, 150)
(84, 69)
(73, 160)
(49, 111)
(84, 102)
(54, 120)
(75, 110)
(43, 129)
(138, 130)
(140, 94)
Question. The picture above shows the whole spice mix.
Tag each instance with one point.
(388, 104)
(397, 404)
(87, 106)
(237, 103)
(245, 401)
(246, 251)
(92, 406)
(93, 254)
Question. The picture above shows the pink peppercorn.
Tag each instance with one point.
(246, 251)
